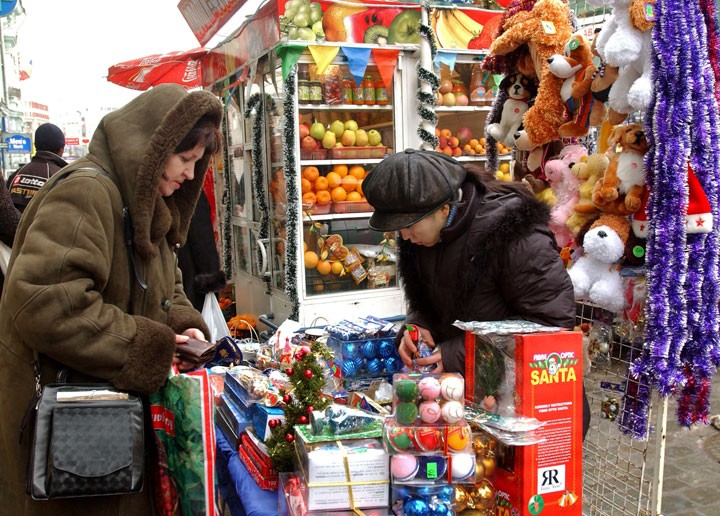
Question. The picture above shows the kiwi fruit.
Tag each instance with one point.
(376, 34)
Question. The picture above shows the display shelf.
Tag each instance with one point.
(349, 161)
(442, 110)
(343, 107)
(337, 216)
(504, 157)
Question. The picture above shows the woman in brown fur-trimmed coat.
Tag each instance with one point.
(69, 293)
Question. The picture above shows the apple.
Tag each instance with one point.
(464, 134)
(404, 28)
(348, 138)
(351, 125)
(303, 130)
(317, 130)
(361, 138)
(443, 141)
(461, 99)
(374, 137)
(308, 143)
(438, 98)
(449, 99)
(457, 151)
(453, 142)
(446, 86)
(337, 127)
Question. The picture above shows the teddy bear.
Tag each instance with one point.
(575, 67)
(539, 32)
(520, 90)
(565, 185)
(594, 275)
(530, 164)
(621, 188)
(626, 42)
(602, 77)
(587, 171)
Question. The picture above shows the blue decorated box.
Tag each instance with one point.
(261, 418)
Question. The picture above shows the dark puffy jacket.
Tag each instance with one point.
(498, 260)
(26, 181)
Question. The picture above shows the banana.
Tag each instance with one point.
(443, 35)
(459, 34)
(468, 23)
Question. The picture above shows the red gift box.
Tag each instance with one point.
(269, 483)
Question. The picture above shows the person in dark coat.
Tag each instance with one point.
(26, 181)
(472, 249)
(9, 220)
(199, 259)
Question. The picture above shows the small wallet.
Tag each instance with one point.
(196, 351)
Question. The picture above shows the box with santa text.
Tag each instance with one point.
(545, 477)
(347, 474)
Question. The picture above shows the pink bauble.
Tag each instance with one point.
(429, 388)
(429, 411)
(403, 467)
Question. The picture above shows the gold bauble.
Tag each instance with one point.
(461, 499)
(490, 464)
(482, 495)
(479, 445)
(479, 470)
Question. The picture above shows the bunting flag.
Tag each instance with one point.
(385, 59)
(26, 70)
(289, 54)
(323, 56)
(446, 58)
(357, 61)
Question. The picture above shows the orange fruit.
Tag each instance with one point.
(358, 188)
(309, 198)
(321, 183)
(357, 171)
(324, 267)
(338, 194)
(306, 186)
(323, 197)
(336, 267)
(310, 173)
(311, 259)
(304, 246)
(349, 183)
(340, 169)
(334, 179)
(354, 196)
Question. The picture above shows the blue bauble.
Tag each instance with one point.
(393, 364)
(349, 351)
(386, 348)
(359, 364)
(447, 493)
(348, 369)
(438, 508)
(369, 349)
(374, 366)
(416, 507)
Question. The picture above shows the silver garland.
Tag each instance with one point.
(291, 192)
(427, 102)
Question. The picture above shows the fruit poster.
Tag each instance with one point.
(384, 23)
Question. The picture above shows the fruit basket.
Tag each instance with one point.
(357, 152)
(317, 209)
(313, 154)
(352, 207)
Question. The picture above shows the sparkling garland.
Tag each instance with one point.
(491, 151)
(259, 104)
(226, 201)
(291, 192)
(702, 282)
(426, 101)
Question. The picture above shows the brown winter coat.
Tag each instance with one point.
(498, 260)
(67, 294)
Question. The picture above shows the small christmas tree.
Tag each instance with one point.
(308, 379)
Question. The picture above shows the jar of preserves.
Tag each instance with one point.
(347, 90)
(358, 94)
(316, 92)
(368, 86)
(381, 93)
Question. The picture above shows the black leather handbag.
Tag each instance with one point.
(88, 441)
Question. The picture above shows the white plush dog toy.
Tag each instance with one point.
(594, 275)
(520, 90)
(625, 41)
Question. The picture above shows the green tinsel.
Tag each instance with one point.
(291, 191)
(258, 104)
(306, 393)
(226, 200)
(425, 104)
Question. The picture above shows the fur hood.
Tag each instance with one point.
(135, 142)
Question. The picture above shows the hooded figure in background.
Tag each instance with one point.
(71, 295)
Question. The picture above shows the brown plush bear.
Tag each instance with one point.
(603, 78)
(542, 31)
(588, 170)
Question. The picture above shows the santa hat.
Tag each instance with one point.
(698, 219)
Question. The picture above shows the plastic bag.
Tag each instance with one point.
(5, 252)
(213, 317)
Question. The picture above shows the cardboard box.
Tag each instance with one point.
(232, 414)
(323, 467)
(261, 418)
(546, 477)
(269, 483)
(258, 451)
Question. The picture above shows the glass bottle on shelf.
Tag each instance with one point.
(316, 92)
(347, 90)
(381, 94)
(477, 86)
(303, 84)
(358, 94)
(368, 85)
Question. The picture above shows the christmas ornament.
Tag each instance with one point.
(490, 464)
(287, 399)
(479, 469)
(386, 348)
(452, 411)
(308, 374)
(406, 390)
(482, 495)
(438, 508)
(406, 413)
(462, 466)
(374, 366)
(348, 369)
(349, 351)
(416, 507)
(479, 445)
(429, 388)
(428, 438)
(429, 411)
(404, 467)
(452, 388)
(289, 371)
(461, 499)
(393, 364)
(432, 467)
(458, 437)
(309, 409)
(289, 438)
(369, 349)
(303, 420)
(401, 438)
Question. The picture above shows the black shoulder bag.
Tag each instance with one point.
(88, 438)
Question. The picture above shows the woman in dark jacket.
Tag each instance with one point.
(9, 220)
(472, 249)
